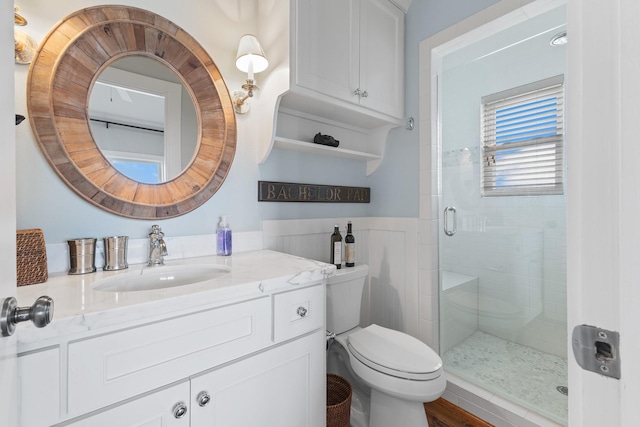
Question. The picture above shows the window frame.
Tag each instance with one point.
(526, 156)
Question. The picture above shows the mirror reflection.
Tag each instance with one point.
(143, 119)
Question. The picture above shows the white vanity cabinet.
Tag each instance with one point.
(258, 359)
(280, 387)
(273, 388)
(164, 408)
(352, 50)
(39, 387)
(120, 365)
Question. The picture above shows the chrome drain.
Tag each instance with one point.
(562, 389)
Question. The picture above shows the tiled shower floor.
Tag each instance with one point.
(522, 374)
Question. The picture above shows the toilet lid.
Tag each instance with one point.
(395, 353)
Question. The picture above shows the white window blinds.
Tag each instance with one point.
(522, 140)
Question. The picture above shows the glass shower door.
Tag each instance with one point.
(502, 258)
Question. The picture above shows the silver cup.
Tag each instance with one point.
(82, 255)
(115, 253)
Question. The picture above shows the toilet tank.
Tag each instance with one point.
(344, 295)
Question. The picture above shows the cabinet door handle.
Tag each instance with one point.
(302, 312)
(179, 410)
(357, 92)
(364, 94)
(203, 398)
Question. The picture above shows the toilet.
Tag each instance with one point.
(401, 371)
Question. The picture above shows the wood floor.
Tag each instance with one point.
(443, 413)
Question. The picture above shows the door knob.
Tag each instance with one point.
(40, 313)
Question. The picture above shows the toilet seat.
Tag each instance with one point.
(394, 353)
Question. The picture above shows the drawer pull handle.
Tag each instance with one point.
(179, 410)
(302, 312)
(203, 398)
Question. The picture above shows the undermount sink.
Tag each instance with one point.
(159, 277)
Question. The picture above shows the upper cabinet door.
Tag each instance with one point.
(353, 51)
(382, 57)
(327, 47)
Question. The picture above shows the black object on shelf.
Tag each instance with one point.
(325, 140)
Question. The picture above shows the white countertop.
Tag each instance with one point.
(78, 308)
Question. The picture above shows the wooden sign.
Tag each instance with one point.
(292, 192)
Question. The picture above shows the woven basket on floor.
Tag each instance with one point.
(338, 401)
(31, 257)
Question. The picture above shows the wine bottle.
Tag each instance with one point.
(349, 247)
(336, 247)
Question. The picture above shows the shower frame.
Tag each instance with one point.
(502, 15)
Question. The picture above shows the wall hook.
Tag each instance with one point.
(411, 123)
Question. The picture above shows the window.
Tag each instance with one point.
(146, 173)
(522, 140)
(145, 168)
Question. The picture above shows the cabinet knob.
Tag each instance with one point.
(180, 410)
(357, 92)
(40, 313)
(364, 94)
(203, 398)
(302, 312)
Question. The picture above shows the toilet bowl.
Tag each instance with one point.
(401, 371)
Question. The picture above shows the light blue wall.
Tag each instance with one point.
(396, 181)
(44, 201)
(292, 166)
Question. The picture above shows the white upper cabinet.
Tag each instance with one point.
(382, 57)
(340, 72)
(352, 50)
(328, 47)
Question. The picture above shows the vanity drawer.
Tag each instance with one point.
(298, 312)
(123, 364)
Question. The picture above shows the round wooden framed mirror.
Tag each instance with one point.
(67, 65)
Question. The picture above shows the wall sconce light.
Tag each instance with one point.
(25, 46)
(250, 60)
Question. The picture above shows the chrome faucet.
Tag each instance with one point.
(157, 247)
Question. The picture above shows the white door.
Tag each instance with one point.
(8, 372)
(604, 201)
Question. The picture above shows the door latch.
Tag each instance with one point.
(597, 350)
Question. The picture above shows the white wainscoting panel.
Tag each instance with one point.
(389, 246)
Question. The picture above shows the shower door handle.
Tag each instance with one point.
(447, 230)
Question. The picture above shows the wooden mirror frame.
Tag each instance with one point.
(70, 59)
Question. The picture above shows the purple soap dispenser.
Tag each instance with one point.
(224, 237)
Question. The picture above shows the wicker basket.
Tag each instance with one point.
(31, 257)
(338, 401)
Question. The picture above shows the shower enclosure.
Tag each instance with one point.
(502, 249)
